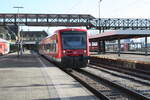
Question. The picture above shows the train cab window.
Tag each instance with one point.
(73, 40)
(0, 46)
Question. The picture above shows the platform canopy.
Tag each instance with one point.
(120, 34)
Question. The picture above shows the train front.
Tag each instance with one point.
(75, 49)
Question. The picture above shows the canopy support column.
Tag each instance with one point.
(119, 47)
(103, 46)
(99, 47)
(146, 53)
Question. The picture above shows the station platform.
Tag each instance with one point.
(126, 60)
(127, 57)
(30, 77)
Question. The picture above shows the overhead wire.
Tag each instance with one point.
(79, 2)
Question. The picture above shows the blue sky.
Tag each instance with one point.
(109, 8)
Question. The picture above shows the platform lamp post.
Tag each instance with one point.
(101, 43)
(18, 35)
(99, 15)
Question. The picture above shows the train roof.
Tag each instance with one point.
(66, 29)
(2, 40)
(122, 34)
(72, 29)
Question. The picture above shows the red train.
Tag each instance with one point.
(4, 47)
(67, 47)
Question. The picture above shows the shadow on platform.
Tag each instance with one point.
(24, 61)
(74, 85)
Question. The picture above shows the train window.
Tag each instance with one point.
(0, 46)
(51, 47)
(54, 47)
(73, 40)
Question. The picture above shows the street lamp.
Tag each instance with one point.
(19, 38)
(99, 16)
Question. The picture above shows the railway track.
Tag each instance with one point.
(121, 75)
(137, 86)
(103, 88)
(106, 88)
(134, 72)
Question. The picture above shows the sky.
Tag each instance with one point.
(108, 8)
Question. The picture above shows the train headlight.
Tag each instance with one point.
(84, 52)
(64, 51)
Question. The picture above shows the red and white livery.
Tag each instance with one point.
(68, 47)
(4, 47)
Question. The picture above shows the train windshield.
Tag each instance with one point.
(73, 40)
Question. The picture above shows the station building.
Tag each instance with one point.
(31, 38)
